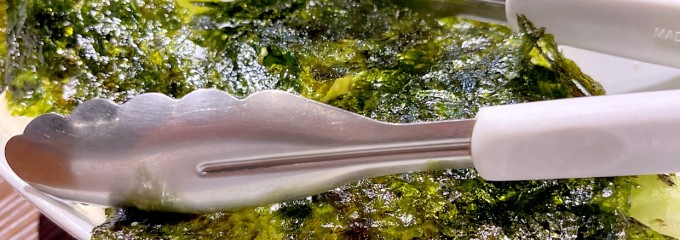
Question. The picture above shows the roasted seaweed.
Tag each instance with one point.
(3, 40)
(370, 57)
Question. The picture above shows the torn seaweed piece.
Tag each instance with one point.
(547, 47)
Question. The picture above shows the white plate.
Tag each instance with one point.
(620, 75)
(76, 219)
(617, 75)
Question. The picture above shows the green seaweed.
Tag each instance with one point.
(370, 57)
(3, 40)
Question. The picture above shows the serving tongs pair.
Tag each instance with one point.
(210, 151)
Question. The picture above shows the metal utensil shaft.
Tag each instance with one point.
(210, 151)
(482, 10)
(451, 148)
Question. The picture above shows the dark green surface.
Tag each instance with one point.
(369, 57)
(3, 40)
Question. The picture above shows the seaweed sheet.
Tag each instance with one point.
(370, 57)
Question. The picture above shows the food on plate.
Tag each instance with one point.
(370, 57)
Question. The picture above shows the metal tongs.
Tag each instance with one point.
(210, 151)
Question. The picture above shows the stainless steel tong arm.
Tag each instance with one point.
(210, 150)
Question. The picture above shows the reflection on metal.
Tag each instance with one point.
(482, 10)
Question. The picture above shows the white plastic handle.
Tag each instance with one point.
(644, 30)
(618, 135)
